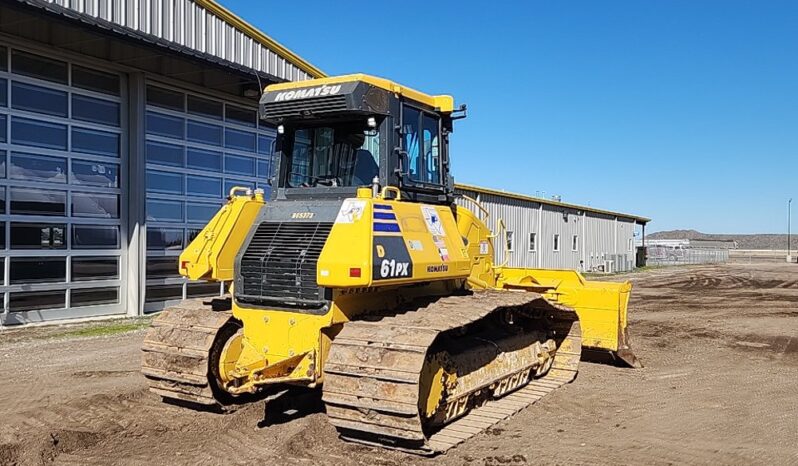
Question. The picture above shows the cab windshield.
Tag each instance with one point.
(331, 156)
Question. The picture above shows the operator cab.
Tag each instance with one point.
(339, 134)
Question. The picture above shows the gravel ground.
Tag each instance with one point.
(719, 344)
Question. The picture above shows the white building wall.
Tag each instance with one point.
(602, 239)
(600, 235)
(625, 245)
(566, 223)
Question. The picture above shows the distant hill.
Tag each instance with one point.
(755, 241)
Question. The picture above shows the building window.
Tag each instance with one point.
(532, 242)
(556, 243)
(36, 66)
(94, 296)
(37, 270)
(631, 245)
(510, 245)
(575, 243)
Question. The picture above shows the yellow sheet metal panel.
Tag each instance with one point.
(377, 242)
(278, 342)
(480, 247)
(211, 255)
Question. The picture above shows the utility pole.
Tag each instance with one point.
(789, 224)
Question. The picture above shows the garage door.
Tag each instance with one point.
(61, 184)
(197, 148)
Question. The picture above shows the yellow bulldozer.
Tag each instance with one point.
(362, 277)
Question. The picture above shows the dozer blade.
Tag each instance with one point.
(601, 307)
(626, 355)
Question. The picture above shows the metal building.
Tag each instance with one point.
(543, 233)
(123, 123)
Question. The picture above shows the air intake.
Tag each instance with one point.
(304, 107)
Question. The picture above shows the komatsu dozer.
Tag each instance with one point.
(364, 277)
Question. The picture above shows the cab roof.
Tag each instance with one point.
(442, 103)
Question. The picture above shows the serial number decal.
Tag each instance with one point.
(302, 215)
(393, 269)
(437, 268)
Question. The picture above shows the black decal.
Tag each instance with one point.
(391, 259)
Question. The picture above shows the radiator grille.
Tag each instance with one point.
(304, 107)
(279, 265)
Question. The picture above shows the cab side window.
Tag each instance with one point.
(412, 141)
(431, 160)
(421, 140)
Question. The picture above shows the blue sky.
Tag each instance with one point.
(682, 111)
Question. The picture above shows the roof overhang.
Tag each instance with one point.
(59, 30)
(201, 30)
(550, 202)
(258, 35)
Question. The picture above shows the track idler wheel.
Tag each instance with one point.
(222, 359)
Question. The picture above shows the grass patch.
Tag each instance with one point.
(106, 328)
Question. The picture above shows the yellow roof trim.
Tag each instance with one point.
(540, 200)
(259, 36)
(444, 103)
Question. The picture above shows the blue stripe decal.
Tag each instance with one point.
(383, 207)
(384, 216)
(387, 227)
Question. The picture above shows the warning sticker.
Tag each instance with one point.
(415, 245)
(351, 211)
(440, 243)
(433, 221)
(483, 247)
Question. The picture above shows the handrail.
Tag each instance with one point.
(393, 189)
(502, 227)
(235, 189)
(479, 206)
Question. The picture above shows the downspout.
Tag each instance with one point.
(584, 241)
(540, 239)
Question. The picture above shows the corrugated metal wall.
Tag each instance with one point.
(566, 223)
(602, 241)
(600, 233)
(188, 24)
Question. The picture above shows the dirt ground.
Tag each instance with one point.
(719, 344)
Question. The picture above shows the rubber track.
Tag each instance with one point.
(176, 350)
(371, 384)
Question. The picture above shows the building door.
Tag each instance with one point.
(62, 212)
(197, 148)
